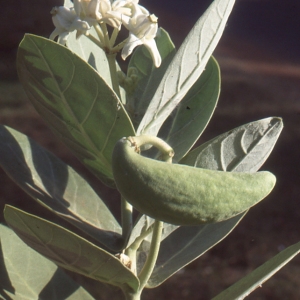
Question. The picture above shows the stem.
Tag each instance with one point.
(126, 210)
(105, 34)
(162, 146)
(119, 46)
(113, 37)
(111, 57)
(131, 251)
(100, 34)
(129, 295)
(152, 256)
(136, 244)
(149, 264)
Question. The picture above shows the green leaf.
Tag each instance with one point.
(186, 244)
(57, 186)
(92, 54)
(261, 137)
(243, 149)
(148, 77)
(75, 101)
(255, 279)
(145, 224)
(25, 274)
(187, 65)
(68, 250)
(194, 111)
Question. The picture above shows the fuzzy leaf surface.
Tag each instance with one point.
(78, 105)
(186, 244)
(91, 53)
(68, 250)
(243, 149)
(148, 77)
(256, 278)
(57, 186)
(27, 275)
(193, 241)
(187, 65)
(193, 113)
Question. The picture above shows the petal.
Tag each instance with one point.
(94, 9)
(62, 38)
(55, 33)
(105, 6)
(126, 21)
(77, 6)
(132, 42)
(152, 48)
(79, 25)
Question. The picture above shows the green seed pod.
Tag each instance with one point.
(184, 195)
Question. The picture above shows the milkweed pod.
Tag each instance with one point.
(184, 195)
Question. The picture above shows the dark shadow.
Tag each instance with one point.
(60, 287)
(54, 179)
(92, 61)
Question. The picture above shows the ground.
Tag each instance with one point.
(255, 84)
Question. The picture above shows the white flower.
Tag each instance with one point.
(142, 31)
(119, 8)
(112, 12)
(65, 20)
(88, 10)
(107, 16)
(94, 11)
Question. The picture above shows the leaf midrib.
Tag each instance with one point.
(99, 154)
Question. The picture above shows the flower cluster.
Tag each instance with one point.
(86, 14)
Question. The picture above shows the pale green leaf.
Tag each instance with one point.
(68, 250)
(187, 65)
(148, 77)
(92, 54)
(255, 279)
(57, 186)
(186, 244)
(243, 149)
(193, 113)
(75, 101)
(25, 274)
(144, 226)
(259, 141)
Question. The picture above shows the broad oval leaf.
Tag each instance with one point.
(243, 149)
(31, 276)
(198, 239)
(68, 250)
(57, 186)
(192, 115)
(256, 278)
(75, 101)
(187, 65)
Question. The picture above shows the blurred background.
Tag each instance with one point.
(259, 56)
